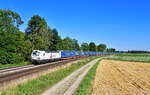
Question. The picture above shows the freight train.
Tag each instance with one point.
(39, 56)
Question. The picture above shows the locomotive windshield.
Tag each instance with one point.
(36, 53)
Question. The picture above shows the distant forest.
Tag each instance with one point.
(16, 46)
(134, 51)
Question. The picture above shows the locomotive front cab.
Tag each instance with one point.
(35, 56)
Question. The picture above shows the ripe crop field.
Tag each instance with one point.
(122, 78)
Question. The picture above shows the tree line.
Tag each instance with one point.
(133, 51)
(16, 46)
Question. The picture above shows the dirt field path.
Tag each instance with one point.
(122, 78)
(70, 83)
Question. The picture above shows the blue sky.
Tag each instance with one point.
(121, 24)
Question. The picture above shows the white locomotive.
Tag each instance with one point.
(39, 56)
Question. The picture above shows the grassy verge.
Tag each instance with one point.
(130, 57)
(85, 85)
(39, 85)
(13, 65)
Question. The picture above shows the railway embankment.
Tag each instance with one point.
(37, 83)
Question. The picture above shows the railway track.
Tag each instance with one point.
(3, 70)
(9, 74)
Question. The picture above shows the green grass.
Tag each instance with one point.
(84, 88)
(13, 65)
(39, 85)
(130, 57)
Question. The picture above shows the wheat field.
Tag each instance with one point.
(122, 78)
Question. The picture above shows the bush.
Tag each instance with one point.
(3, 56)
(8, 49)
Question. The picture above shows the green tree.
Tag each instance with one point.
(8, 48)
(75, 45)
(101, 47)
(38, 32)
(65, 44)
(92, 46)
(11, 39)
(56, 41)
(36, 25)
(85, 46)
(111, 49)
(71, 44)
(50, 39)
(9, 21)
